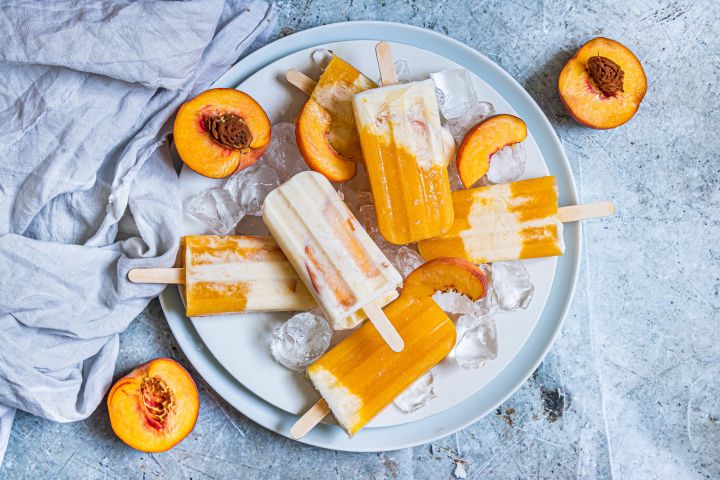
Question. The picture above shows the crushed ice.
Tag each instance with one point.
(416, 395)
(402, 70)
(250, 186)
(300, 341)
(507, 164)
(282, 155)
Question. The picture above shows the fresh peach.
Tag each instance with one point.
(483, 140)
(155, 406)
(444, 274)
(603, 84)
(325, 129)
(221, 131)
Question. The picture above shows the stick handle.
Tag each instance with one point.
(388, 76)
(384, 327)
(175, 276)
(574, 213)
(301, 81)
(311, 418)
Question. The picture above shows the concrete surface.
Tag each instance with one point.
(630, 390)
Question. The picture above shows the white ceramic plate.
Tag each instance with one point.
(238, 354)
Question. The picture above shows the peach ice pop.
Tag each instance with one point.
(406, 153)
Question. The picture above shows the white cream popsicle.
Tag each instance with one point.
(334, 256)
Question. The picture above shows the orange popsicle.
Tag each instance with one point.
(361, 375)
(231, 274)
(502, 222)
(406, 153)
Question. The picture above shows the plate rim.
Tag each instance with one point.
(279, 421)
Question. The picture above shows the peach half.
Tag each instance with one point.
(221, 131)
(603, 84)
(325, 129)
(155, 406)
(444, 274)
(483, 140)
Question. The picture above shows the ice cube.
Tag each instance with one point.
(455, 182)
(402, 70)
(454, 302)
(477, 340)
(217, 209)
(321, 57)
(356, 191)
(250, 186)
(507, 164)
(282, 154)
(406, 260)
(455, 91)
(512, 288)
(366, 217)
(416, 395)
(300, 341)
(475, 113)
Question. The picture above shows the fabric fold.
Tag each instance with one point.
(87, 184)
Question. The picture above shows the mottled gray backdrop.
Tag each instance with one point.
(631, 388)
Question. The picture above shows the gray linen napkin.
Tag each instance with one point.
(87, 187)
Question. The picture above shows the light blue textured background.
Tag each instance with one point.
(640, 344)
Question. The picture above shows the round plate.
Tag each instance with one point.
(517, 357)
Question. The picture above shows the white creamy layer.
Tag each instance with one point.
(345, 406)
(408, 115)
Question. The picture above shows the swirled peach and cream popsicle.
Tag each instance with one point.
(334, 256)
(361, 376)
(232, 274)
(502, 222)
(406, 153)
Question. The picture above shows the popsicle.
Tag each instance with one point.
(406, 153)
(360, 376)
(325, 128)
(509, 222)
(340, 264)
(232, 274)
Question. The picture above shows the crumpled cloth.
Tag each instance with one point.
(88, 91)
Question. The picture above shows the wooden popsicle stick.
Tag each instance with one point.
(301, 81)
(309, 419)
(574, 213)
(384, 327)
(388, 75)
(175, 276)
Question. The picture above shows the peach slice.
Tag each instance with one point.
(221, 131)
(312, 131)
(483, 140)
(603, 84)
(155, 406)
(444, 274)
(325, 129)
